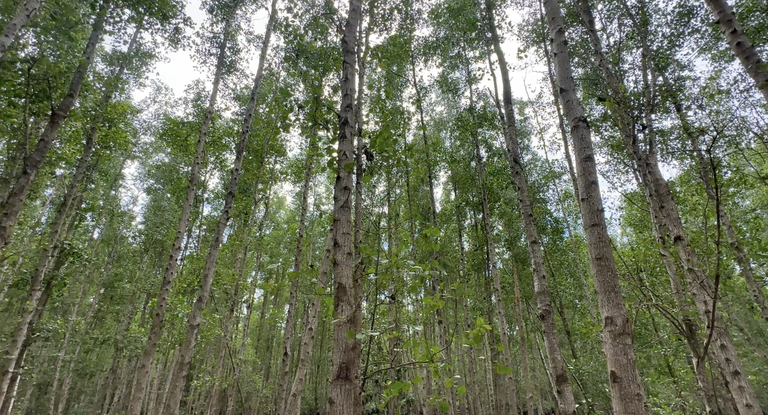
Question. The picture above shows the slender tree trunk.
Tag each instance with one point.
(12, 205)
(509, 397)
(196, 316)
(523, 347)
(282, 399)
(293, 406)
(658, 193)
(249, 307)
(103, 396)
(474, 401)
(625, 386)
(740, 44)
(7, 403)
(213, 401)
(158, 317)
(63, 346)
(346, 396)
(47, 256)
(563, 390)
(24, 14)
(705, 174)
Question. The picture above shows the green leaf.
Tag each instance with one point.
(461, 390)
(444, 407)
(350, 334)
(417, 379)
(448, 383)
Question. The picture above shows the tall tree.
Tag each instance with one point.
(626, 390)
(346, 393)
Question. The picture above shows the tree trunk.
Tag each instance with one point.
(282, 399)
(8, 401)
(293, 405)
(626, 389)
(12, 205)
(741, 46)
(196, 316)
(48, 254)
(509, 396)
(346, 397)
(523, 347)
(213, 401)
(474, 402)
(705, 174)
(563, 390)
(249, 308)
(24, 14)
(158, 317)
(659, 195)
(63, 346)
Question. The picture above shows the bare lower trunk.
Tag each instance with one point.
(509, 394)
(625, 386)
(63, 346)
(563, 390)
(6, 405)
(346, 396)
(11, 207)
(24, 14)
(523, 348)
(213, 401)
(282, 399)
(740, 44)
(196, 316)
(249, 309)
(293, 405)
(158, 317)
(702, 289)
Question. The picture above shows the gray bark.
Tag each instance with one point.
(196, 316)
(47, 256)
(283, 391)
(563, 390)
(293, 405)
(742, 48)
(24, 14)
(158, 317)
(12, 205)
(624, 380)
(346, 396)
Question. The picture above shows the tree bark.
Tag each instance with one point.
(705, 174)
(158, 317)
(12, 205)
(213, 400)
(24, 14)
(346, 396)
(563, 390)
(48, 254)
(282, 399)
(509, 396)
(523, 347)
(293, 405)
(742, 48)
(249, 307)
(659, 195)
(196, 316)
(625, 386)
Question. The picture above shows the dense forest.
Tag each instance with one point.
(469, 207)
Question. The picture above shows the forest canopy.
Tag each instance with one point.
(469, 207)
